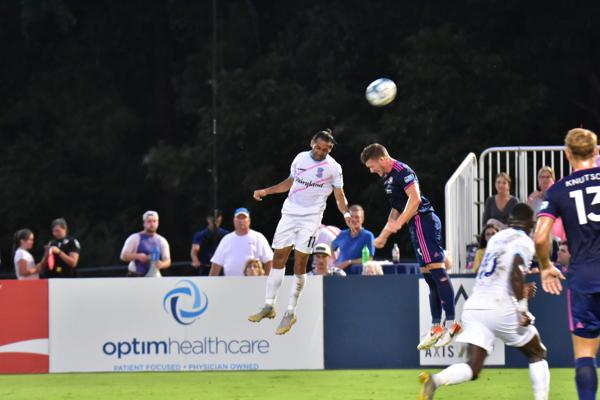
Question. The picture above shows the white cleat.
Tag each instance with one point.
(431, 338)
(449, 335)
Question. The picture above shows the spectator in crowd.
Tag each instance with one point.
(205, 242)
(372, 268)
(321, 256)
(350, 242)
(563, 257)
(327, 234)
(488, 231)
(64, 249)
(147, 252)
(254, 268)
(499, 206)
(25, 266)
(545, 179)
(240, 245)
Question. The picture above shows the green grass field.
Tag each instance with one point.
(266, 385)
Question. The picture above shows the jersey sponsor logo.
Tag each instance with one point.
(185, 292)
(409, 178)
(544, 205)
(309, 183)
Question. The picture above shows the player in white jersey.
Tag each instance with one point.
(497, 308)
(314, 175)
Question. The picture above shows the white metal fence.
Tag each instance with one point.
(469, 186)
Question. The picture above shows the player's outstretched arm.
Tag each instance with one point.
(342, 203)
(281, 187)
(550, 275)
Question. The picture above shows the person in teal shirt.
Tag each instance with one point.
(350, 243)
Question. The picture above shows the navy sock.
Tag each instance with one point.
(435, 303)
(445, 290)
(586, 378)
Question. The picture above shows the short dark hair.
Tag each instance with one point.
(373, 152)
(214, 213)
(325, 135)
(521, 214)
(21, 234)
(60, 222)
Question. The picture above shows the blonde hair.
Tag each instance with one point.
(581, 143)
(256, 261)
(547, 169)
(504, 176)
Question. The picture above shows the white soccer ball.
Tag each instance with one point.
(381, 92)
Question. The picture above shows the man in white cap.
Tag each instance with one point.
(321, 256)
(240, 245)
(146, 249)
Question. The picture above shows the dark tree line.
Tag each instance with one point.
(105, 106)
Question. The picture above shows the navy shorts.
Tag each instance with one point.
(584, 313)
(426, 236)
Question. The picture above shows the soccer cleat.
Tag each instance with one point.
(448, 335)
(286, 323)
(433, 336)
(265, 312)
(427, 386)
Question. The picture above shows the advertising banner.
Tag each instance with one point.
(454, 352)
(23, 326)
(179, 324)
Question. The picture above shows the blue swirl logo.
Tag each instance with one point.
(186, 289)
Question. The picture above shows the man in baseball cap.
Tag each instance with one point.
(321, 254)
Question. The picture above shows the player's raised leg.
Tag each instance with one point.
(454, 374)
(298, 284)
(274, 281)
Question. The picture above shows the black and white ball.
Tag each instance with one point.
(381, 92)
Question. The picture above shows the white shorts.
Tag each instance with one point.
(299, 231)
(480, 327)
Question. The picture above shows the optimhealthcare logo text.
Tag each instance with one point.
(207, 345)
(186, 291)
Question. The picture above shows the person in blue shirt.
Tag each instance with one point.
(205, 242)
(351, 242)
(576, 199)
(411, 208)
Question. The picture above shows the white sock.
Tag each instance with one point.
(540, 379)
(456, 373)
(297, 286)
(448, 323)
(274, 281)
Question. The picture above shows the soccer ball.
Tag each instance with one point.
(381, 92)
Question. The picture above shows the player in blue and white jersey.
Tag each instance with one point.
(576, 198)
(411, 208)
(497, 308)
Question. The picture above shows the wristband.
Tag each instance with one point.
(523, 306)
(347, 215)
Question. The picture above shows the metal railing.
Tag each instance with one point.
(522, 164)
(473, 182)
(461, 211)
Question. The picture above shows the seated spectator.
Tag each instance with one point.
(327, 234)
(64, 250)
(25, 266)
(350, 242)
(254, 268)
(321, 255)
(488, 231)
(545, 179)
(372, 268)
(240, 245)
(499, 206)
(563, 258)
(147, 252)
(205, 242)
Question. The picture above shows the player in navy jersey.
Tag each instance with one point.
(576, 198)
(411, 208)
